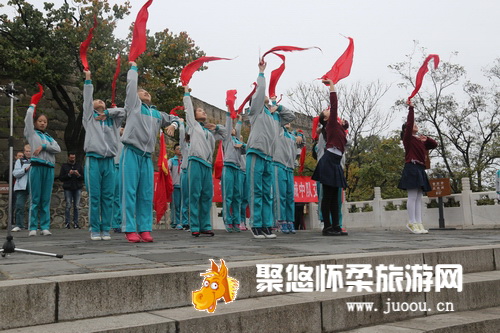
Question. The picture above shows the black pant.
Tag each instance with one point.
(330, 207)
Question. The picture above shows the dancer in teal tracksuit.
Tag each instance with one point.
(184, 143)
(102, 128)
(231, 178)
(117, 212)
(284, 157)
(139, 139)
(265, 121)
(174, 166)
(201, 148)
(41, 176)
(242, 178)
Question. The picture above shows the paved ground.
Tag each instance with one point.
(178, 248)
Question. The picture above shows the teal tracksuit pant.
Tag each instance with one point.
(319, 188)
(175, 206)
(40, 187)
(117, 212)
(100, 184)
(244, 196)
(283, 187)
(136, 170)
(184, 198)
(200, 195)
(259, 189)
(231, 195)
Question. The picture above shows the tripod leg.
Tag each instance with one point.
(39, 253)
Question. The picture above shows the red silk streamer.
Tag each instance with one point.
(219, 162)
(163, 186)
(245, 101)
(85, 45)
(315, 127)
(139, 35)
(342, 67)
(230, 100)
(288, 49)
(421, 72)
(37, 97)
(302, 159)
(193, 66)
(115, 77)
(173, 111)
(275, 76)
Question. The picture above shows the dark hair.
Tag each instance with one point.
(71, 153)
(38, 115)
(322, 120)
(187, 138)
(403, 129)
(176, 145)
(345, 125)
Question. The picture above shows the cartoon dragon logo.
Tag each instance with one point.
(217, 284)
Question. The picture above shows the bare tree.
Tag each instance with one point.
(308, 98)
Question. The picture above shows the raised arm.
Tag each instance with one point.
(410, 121)
(238, 126)
(182, 136)
(29, 127)
(229, 126)
(332, 119)
(132, 101)
(188, 106)
(258, 99)
(88, 100)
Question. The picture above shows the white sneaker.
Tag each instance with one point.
(413, 228)
(96, 236)
(46, 233)
(420, 227)
(32, 233)
(15, 229)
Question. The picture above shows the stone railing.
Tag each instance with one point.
(463, 210)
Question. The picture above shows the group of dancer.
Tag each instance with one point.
(258, 174)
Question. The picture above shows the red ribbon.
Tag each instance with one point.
(245, 101)
(37, 97)
(193, 66)
(85, 45)
(230, 100)
(115, 77)
(421, 72)
(139, 34)
(315, 127)
(302, 159)
(288, 49)
(342, 67)
(275, 76)
(173, 111)
(219, 162)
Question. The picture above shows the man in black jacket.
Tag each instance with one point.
(72, 177)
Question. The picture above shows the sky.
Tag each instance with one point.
(383, 31)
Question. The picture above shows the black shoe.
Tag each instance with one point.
(76, 226)
(67, 226)
(330, 232)
(207, 233)
(117, 230)
(186, 227)
(258, 233)
(268, 233)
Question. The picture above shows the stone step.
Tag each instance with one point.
(479, 321)
(293, 312)
(71, 297)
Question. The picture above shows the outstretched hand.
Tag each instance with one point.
(88, 74)
(262, 66)
(210, 126)
(171, 130)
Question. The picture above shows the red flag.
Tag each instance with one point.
(302, 160)
(115, 77)
(421, 72)
(139, 35)
(219, 162)
(193, 66)
(288, 49)
(163, 187)
(245, 101)
(173, 111)
(275, 76)
(85, 45)
(315, 127)
(342, 67)
(230, 100)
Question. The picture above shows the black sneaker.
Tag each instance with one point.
(268, 233)
(186, 227)
(258, 233)
(76, 226)
(207, 233)
(330, 232)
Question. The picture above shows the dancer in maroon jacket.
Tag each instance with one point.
(328, 171)
(414, 179)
